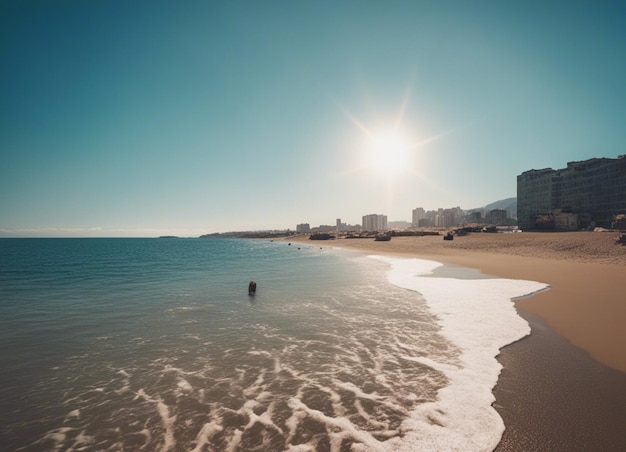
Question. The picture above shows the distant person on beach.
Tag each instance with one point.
(251, 288)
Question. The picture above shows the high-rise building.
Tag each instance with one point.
(475, 217)
(497, 217)
(592, 191)
(418, 214)
(375, 222)
(450, 217)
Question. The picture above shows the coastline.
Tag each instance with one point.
(554, 396)
(585, 272)
(564, 386)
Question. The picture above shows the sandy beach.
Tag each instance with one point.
(586, 272)
(563, 387)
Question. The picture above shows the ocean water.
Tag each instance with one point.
(154, 344)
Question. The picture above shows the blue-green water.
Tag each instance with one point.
(112, 344)
(155, 344)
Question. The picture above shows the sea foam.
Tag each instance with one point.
(479, 317)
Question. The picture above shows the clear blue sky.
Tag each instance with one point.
(142, 118)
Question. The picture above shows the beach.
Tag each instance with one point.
(127, 344)
(564, 386)
(155, 344)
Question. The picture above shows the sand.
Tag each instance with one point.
(564, 386)
(552, 396)
(586, 272)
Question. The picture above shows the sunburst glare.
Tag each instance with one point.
(391, 148)
(389, 152)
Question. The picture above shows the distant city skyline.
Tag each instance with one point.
(161, 118)
(447, 220)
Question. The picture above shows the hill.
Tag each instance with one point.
(508, 204)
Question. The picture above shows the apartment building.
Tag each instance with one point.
(585, 194)
(497, 217)
(374, 222)
(418, 214)
(303, 228)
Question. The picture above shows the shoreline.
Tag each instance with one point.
(563, 387)
(585, 272)
(554, 396)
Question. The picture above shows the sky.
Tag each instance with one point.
(146, 118)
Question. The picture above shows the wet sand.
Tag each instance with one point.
(553, 396)
(564, 386)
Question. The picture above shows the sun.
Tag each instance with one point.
(388, 152)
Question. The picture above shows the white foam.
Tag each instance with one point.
(184, 386)
(147, 435)
(168, 424)
(259, 353)
(235, 440)
(356, 390)
(57, 436)
(264, 418)
(73, 413)
(257, 386)
(167, 421)
(479, 318)
(339, 428)
(205, 434)
(82, 441)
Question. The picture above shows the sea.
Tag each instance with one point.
(155, 344)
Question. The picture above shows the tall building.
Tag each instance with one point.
(497, 217)
(418, 214)
(585, 194)
(374, 222)
(303, 228)
(341, 226)
(448, 218)
(475, 217)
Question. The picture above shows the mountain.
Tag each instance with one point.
(508, 204)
